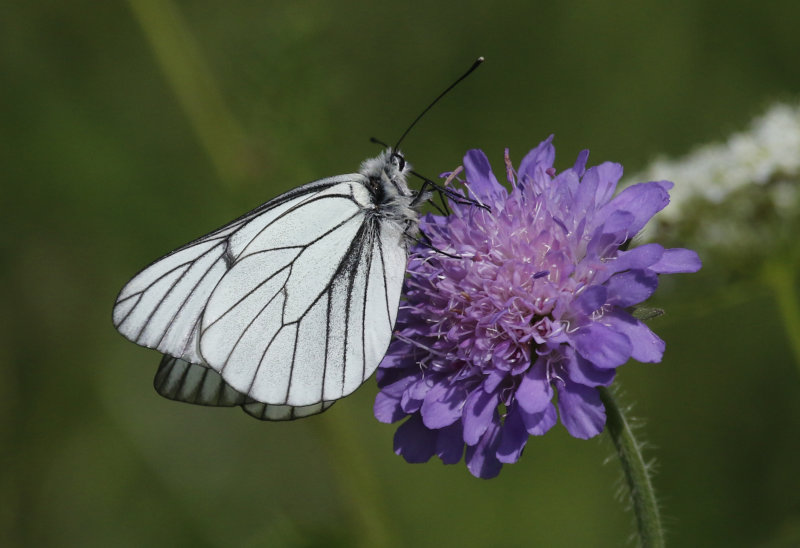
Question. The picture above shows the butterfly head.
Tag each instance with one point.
(386, 176)
(386, 180)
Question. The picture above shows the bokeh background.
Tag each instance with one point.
(129, 128)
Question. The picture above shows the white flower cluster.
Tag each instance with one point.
(720, 175)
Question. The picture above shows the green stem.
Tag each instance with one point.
(637, 475)
(780, 277)
(179, 56)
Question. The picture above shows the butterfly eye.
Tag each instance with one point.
(401, 162)
(374, 184)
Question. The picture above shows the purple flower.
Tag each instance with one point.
(538, 304)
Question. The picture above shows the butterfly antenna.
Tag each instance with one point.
(475, 65)
(378, 142)
(441, 190)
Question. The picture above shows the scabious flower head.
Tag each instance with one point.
(534, 302)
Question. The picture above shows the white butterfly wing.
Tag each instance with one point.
(307, 314)
(293, 304)
(161, 306)
(180, 380)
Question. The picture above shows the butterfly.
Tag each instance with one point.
(291, 306)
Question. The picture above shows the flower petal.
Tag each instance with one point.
(582, 371)
(450, 443)
(639, 257)
(591, 299)
(606, 239)
(477, 414)
(631, 287)
(541, 156)
(580, 163)
(387, 408)
(481, 182)
(677, 260)
(602, 345)
(534, 392)
(582, 412)
(493, 380)
(391, 360)
(595, 189)
(443, 404)
(537, 424)
(513, 437)
(602, 181)
(618, 224)
(646, 345)
(413, 441)
(414, 395)
(399, 381)
(643, 200)
(481, 458)
(559, 265)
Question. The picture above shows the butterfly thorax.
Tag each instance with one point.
(386, 181)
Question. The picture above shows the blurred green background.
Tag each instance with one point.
(130, 128)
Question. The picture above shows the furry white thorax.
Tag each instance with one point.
(397, 202)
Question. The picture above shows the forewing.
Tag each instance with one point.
(162, 305)
(363, 311)
(308, 323)
(180, 380)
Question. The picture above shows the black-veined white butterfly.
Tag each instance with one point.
(288, 308)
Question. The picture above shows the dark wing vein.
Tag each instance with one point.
(128, 313)
(352, 272)
(368, 270)
(186, 299)
(306, 246)
(263, 355)
(170, 290)
(327, 342)
(291, 365)
(250, 292)
(247, 328)
(385, 282)
(292, 209)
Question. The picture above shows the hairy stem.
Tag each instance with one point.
(637, 476)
